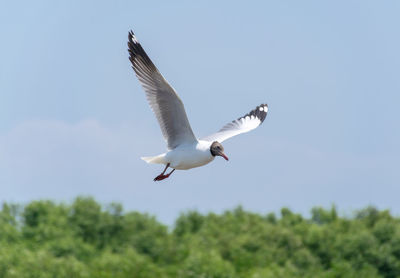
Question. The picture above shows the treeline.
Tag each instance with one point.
(84, 239)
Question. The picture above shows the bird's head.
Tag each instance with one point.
(217, 149)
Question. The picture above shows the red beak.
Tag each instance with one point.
(224, 156)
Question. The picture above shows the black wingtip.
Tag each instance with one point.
(259, 112)
(132, 38)
(133, 45)
(137, 55)
(130, 35)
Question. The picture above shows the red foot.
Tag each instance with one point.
(161, 177)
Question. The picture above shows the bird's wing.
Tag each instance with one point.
(163, 100)
(244, 124)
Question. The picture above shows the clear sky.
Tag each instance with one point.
(74, 119)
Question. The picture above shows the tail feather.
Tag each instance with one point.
(158, 159)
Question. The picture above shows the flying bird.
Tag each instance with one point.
(185, 151)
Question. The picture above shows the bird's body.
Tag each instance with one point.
(185, 156)
(185, 151)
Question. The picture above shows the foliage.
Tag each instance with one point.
(84, 239)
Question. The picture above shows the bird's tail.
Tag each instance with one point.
(158, 159)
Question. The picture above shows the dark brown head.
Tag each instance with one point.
(217, 150)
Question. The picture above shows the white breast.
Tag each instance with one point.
(190, 156)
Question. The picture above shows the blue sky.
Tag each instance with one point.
(74, 120)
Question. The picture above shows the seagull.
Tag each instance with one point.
(185, 151)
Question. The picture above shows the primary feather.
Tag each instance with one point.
(164, 101)
(244, 124)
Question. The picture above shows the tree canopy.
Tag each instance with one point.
(85, 239)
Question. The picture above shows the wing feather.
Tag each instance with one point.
(164, 101)
(243, 124)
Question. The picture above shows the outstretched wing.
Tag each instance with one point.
(244, 124)
(163, 100)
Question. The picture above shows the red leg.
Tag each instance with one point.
(161, 176)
